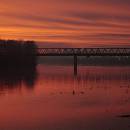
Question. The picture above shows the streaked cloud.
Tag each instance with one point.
(72, 22)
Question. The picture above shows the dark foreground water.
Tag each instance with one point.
(53, 99)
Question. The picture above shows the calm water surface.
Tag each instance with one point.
(53, 99)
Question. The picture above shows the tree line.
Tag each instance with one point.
(18, 53)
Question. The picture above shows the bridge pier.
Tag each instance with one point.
(75, 52)
(75, 65)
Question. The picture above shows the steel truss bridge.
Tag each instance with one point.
(83, 52)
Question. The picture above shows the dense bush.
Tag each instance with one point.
(17, 53)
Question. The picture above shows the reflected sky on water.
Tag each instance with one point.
(95, 99)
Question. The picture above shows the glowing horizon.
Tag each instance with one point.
(67, 22)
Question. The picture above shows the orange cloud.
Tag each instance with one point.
(72, 22)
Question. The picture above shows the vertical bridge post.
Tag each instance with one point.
(75, 65)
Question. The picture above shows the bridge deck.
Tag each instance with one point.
(83, 51)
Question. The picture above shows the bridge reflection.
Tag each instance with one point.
(88, 77)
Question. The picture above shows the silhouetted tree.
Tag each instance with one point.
(18, 53)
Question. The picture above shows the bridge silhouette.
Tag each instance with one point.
(75, 52)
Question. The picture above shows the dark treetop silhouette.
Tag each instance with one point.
(17, 53)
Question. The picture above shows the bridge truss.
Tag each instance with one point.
(83, 51)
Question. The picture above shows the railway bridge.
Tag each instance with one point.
(75, 52)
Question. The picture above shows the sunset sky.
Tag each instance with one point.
(78, 23)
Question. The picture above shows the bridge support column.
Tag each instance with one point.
(75, 65)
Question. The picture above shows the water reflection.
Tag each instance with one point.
(94, 77)
(17, 77)
(96, 99)
(97, 77)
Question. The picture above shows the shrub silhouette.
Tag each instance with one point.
(17, 53)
